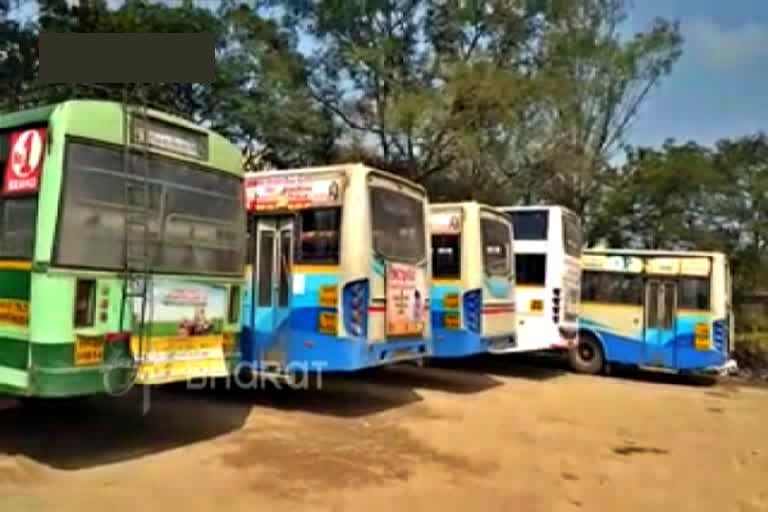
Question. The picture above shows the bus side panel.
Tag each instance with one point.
(615, 325)
(687, 356)
(450, 336)
(498, 307)
(14, 326)
(534, 330)
(315, 323)
(58, 365)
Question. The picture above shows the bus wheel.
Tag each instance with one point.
(587, 356)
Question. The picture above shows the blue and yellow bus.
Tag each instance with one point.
(338, 270)
(663, 310)
(473, 280)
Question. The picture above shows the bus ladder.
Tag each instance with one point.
(137, 264)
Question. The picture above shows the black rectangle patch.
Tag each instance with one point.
(73, 57)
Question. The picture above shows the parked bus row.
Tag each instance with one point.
(127, 256)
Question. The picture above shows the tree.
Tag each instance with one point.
(597, 83)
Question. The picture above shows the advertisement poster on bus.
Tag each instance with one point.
(406, 293)
(184, 326)
(25, 155)
(291, 191)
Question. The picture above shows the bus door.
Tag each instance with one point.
(660, 314)
(272, 275)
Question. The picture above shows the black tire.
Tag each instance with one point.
(587, 355)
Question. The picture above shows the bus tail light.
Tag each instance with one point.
(355, 300)
(473, 310)
(556, 296)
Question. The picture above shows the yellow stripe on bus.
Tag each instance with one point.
(315, 269)
(15, 265)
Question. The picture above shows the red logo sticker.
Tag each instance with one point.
(25, 161)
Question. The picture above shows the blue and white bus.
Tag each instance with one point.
(338, 270)
(473, 280)
(662, 310)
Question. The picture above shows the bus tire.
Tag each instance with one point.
(587, 355)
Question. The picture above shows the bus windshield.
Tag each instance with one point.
(196, 223)
(571, 234)
(531, 224)
(497, 245)
(398, 225)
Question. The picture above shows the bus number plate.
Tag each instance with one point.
(451, 301)
(451, 321)
(89, 351)
(537, 306)
(327, 323)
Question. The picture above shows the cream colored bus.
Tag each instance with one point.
(338, 270)
(473, 280)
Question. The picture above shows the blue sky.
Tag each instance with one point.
(719, 87)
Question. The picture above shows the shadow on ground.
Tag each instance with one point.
(652, 377)
(408, 376)
(538, 367)
(103, 430)
(339, 395)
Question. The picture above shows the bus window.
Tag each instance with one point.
(18, 220)
(612, 288)
(18, 217)
(571, 235)
(530, 225)
(446, 256)
(497, 243)
(397, 224)
(694, 293)
(318, 232)
(195, 218)
(531, 269)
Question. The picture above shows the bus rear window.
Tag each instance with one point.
(531, 269)
(398, 225)
(318, 233)
(497, 246)
(446, 256)
(571, 235)
(530, 225)
(195, 222)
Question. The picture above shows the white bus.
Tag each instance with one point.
(548, 274)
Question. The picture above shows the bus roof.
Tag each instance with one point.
(339, 168)
(475, 204)
(102, 120)
(654, 252)
(540, 207)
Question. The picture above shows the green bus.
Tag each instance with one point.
(77, 317)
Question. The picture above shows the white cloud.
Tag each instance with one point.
(727, 48)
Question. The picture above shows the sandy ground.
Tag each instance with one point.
(486, 435)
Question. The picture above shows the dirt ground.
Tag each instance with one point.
(488, 435)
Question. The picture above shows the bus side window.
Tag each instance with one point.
(694, 293)
(612, 288)
(318, 232)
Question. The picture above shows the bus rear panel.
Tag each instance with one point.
(547, 273)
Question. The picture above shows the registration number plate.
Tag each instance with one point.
(89, 351)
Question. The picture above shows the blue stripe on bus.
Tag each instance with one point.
(451, 342)
(674, 351)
